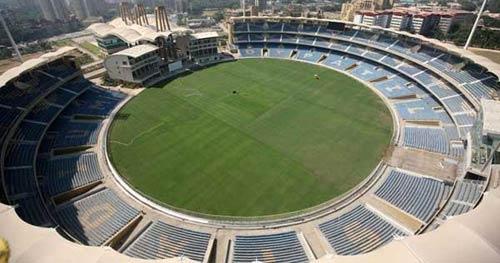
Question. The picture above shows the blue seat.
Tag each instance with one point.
(61, 175)
(251, 50)
(280, 51)
(161, 240)
(309, 55)
(61, 97)
(20, 154)
(28, 131)
(64, 133)
(94, 102)
(339, 62)
(96, 218)
(240, 27)
(418, 196)
(281, 247)
(429, 139)
(368, 71)
(358, 231)
(398, 86)
(465, 196)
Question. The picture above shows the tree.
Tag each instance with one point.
(218, 16)
(5, 52)
(44, 45)
(204, 4)
(459, 33)
(491, 22)
(442, 2)
(486, 38)
(467, 5)
(180, 20)
(494, 6)
(438, 34)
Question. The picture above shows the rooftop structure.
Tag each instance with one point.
(203, 35)
(137, 51)
(407, 19)
(491, 117)
(33, 63)
(41, 249)
(129, 33)
(199, 47)
(349, 9)
(137, 64)
(133, 36)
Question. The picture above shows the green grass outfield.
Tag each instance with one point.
(286, 141)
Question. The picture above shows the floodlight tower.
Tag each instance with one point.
(12, 42)
(475, 24)
(243, 6)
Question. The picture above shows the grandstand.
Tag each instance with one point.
(358, 231)
(161, 240)
(56, 172)
(281, 247)
(95, 219)
(415, 195)
(68, 173)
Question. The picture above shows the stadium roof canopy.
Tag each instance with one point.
(137, 51)
(203, 35)
(453, 49)
(129, 33)
(471, 237)
(29, 243)
(33, 63)
(491, 117)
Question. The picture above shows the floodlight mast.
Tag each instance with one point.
(475, 24)
(12, 42)
(243, 6)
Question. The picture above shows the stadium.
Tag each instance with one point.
(313, 140)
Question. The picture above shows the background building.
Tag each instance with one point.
(400, 21)
(447, 19)
(60, 10)
(78, 9)
(199, 47)
(47, 10)
(53, 10)
(424, 23)
(419, 22)
(370, 18)
(254, 11)
(134, 65)
(349, 10)
(130, 46)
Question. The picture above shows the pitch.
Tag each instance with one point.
(251, 138)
